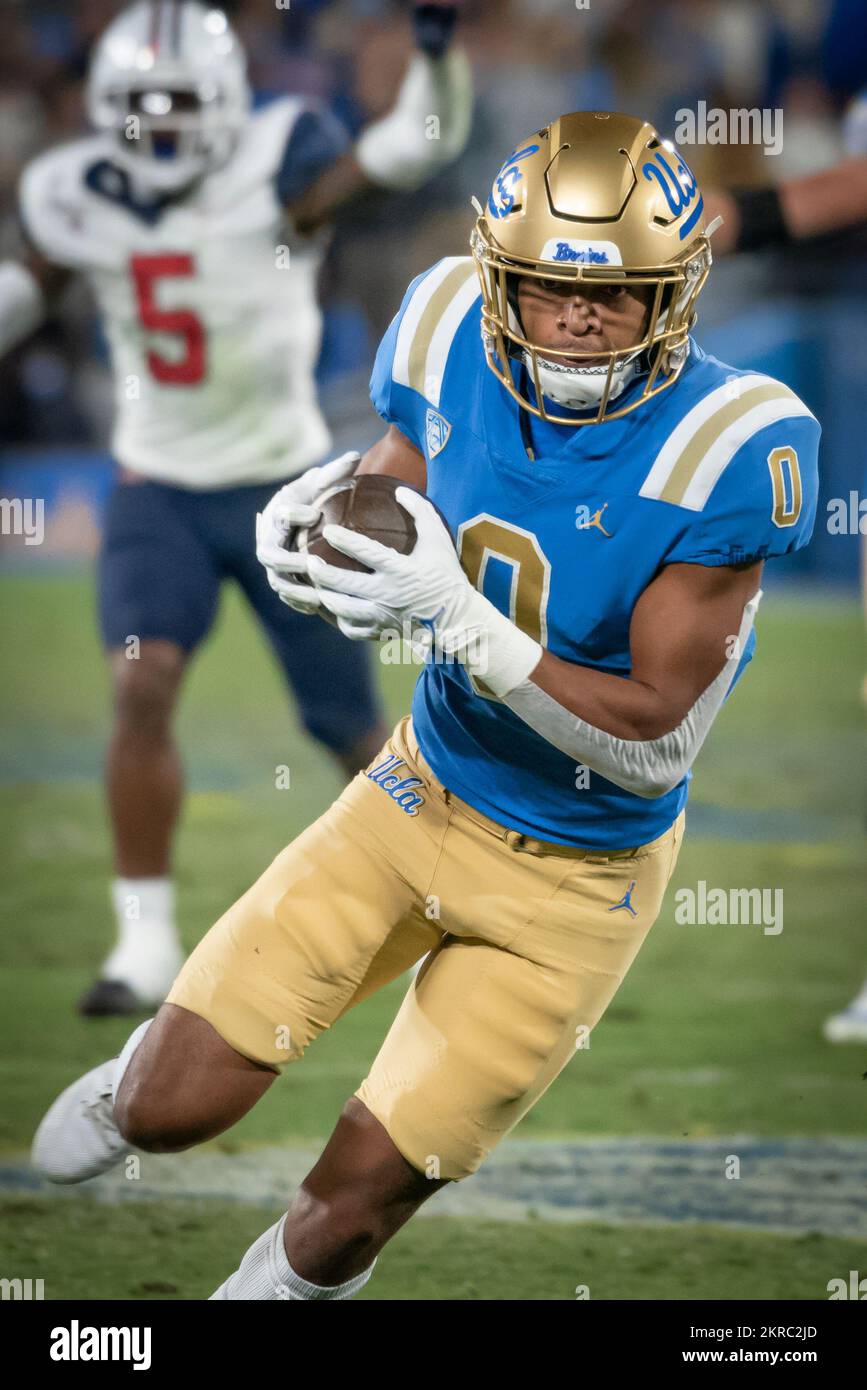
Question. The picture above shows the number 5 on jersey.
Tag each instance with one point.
(189, 366)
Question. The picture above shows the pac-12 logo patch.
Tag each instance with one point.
(437, 431)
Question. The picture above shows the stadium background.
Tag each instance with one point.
(714, 1045)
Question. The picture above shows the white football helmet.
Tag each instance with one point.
(168, 79)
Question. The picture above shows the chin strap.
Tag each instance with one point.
(582, 388)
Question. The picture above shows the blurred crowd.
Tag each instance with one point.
(532, 59)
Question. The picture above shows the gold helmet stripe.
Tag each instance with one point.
(697, 452)
(729, 428)
(429, 324)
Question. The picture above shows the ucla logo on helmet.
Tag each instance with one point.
(437, 431)
(565, 252)
(503, 197)
(678, 185)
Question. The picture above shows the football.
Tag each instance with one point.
(366, 504)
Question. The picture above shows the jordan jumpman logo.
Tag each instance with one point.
(626, 901)
(595, 520)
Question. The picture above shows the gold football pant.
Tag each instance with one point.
(528, 943)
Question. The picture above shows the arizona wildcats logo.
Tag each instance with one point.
(437, 431)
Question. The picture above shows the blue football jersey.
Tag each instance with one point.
(719, 469)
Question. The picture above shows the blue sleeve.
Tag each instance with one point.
(316, 140)
(764, 503)
(843, 52)
(398, 404)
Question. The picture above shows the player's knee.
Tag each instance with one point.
(147, 1125)
(149, 1119)
(144, 695)
(136, 1121)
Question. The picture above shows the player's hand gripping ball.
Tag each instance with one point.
(293, 507)
(364, 511)
(291, 533)
(417, 591)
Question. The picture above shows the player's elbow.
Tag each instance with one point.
(651, 788)
(653, 766)
(652, 721)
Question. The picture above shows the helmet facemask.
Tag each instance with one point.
(167, 82)
(594, 198)
(169, 134)
(558, 375)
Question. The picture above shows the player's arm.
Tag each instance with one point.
(403, 149)
(643, 731)
(833, 200)
(396, 455)
(640, 731)
(27, 288)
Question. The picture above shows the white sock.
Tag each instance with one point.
(138, 900)
(266, 1274)
(148, 954)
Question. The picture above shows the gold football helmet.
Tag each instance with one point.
(601, 198)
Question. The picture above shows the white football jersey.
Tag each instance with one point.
(209, 305)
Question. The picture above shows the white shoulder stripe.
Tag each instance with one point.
(723, 451)
(443, 336)
(694, 455)
(429, 324)
(692, 421)
(412, 317)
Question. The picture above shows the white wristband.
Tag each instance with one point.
(491, 647)
(22, 304)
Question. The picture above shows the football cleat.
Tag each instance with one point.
(111, 999)
(78, 1138)
(848, 1026)
(137, 975)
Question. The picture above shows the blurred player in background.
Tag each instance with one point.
(795, 212)
(610, 496)
(200, 226)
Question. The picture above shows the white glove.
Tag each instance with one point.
(294, 505)
(426, 589)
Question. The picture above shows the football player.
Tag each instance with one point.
(200, 226)
(611, 495)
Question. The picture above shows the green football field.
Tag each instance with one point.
(716, 1032)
